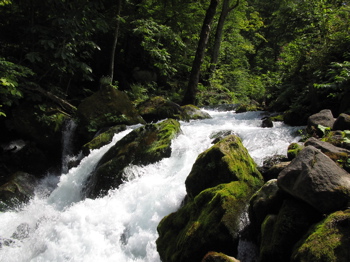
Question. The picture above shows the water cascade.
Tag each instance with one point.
(58, 225)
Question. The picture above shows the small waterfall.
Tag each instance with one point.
(67, 141)
(58, 225)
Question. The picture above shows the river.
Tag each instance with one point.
(58, 225)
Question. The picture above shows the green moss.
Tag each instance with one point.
(102, 139)
(293, 150)
(208, 222)
(226, 161)
(278, 118)
(327, 241)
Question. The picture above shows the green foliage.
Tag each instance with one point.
(12, 78)
(155, 40)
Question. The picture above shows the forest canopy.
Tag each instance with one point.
(288, 55)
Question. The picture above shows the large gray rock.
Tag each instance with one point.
(337, 154)
(342, 122)
(316, 179)
(323, 118)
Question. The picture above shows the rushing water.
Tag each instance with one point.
(57, 225)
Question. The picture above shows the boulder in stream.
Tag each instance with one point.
(342, 122)
(226, 161)
(324, 118)
(209, 222)
(144, 145)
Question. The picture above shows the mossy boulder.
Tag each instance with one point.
(293, 150)
(327, 241)
(209, 222)
(193, 112)
(218, 257)
(159, 108)
(242, 108)
(105, 108)
(18, 190)
(226, 161)
(279, 233)
(103, 138)
(144, 145)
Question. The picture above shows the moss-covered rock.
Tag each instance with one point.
(327, 241)
(144, 145)
(247, 107)
(19, 189)
(293, 150)
(107, 107)
(209, 222)
(218, 257)
(280, 232)
(158, 108)
(102, 139)
(226, 161)
(193, 112)
(267, 200)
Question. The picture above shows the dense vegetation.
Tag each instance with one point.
(289, 55)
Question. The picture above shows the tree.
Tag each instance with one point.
(190, 94)
(226, 9)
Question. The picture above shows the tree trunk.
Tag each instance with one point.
(190, 94)
(115, 41)
(226, 9)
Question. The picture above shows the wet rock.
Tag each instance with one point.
(194, 112)
(217, 136)
(327, 241)
(144, 145)
(102, 139)
(316, 179)
(342, 122)
(210, 221)
(17, 191)
(226, 161)
(267, 122)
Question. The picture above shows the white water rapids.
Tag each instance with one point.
(121, 227)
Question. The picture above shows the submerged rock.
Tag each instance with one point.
(327, 241)
(209, 222)
(144, 145)
(316, 179)
(226, 161)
